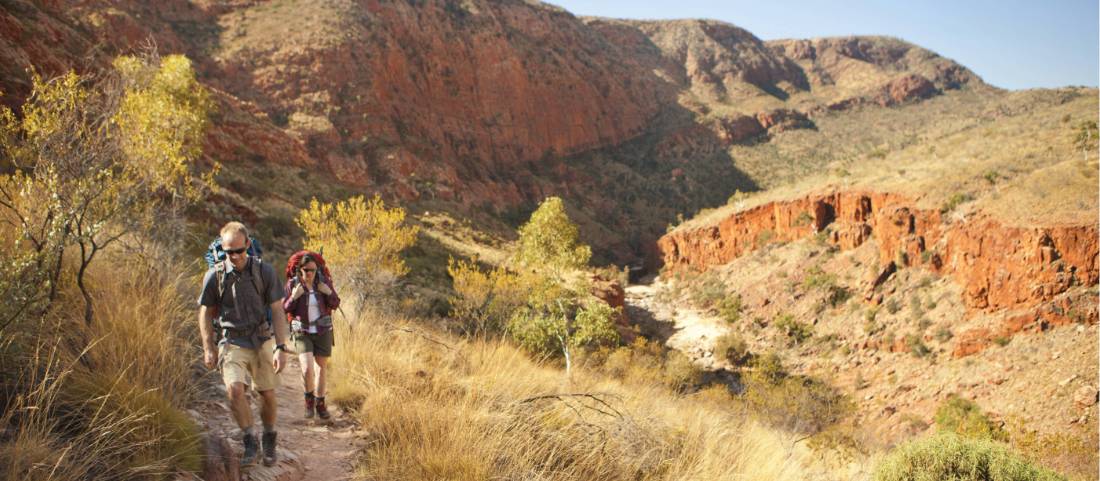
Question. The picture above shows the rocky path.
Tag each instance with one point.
(687, 330)
(308, 449)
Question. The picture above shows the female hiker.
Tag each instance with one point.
(309, 303)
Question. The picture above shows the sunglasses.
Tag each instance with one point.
(309, 270)
(236, 251)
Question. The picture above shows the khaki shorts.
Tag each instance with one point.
(319, 344)
(238, 364)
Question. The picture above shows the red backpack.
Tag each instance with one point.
(296, 259)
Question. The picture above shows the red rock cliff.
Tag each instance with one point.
(999, 266)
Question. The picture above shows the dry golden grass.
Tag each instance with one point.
(439, 407)
(103, 401)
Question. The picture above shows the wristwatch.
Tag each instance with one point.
(279, 347)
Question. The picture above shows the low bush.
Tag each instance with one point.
(709, 291)
(965, 418)
(793, 403)
(732, 348)
(951, 457)
(796, 332)
(729, 309)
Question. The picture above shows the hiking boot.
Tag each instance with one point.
(322, 410)
(269, 448)
(310, 401)
(250, 448)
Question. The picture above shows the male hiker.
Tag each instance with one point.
(237, 292)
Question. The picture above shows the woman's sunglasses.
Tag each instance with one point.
(309, 270)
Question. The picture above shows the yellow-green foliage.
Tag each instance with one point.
(557, 318)
(162, 116)
(965, 418)
(361, 238)
(95, 160)
(484, 301)
(953, 458)
(549, 241)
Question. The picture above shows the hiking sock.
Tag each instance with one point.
(310, 402)
(269, 428)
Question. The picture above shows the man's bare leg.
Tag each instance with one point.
(238, 405)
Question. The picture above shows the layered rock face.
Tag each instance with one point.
(1023, 271)
(461, 94)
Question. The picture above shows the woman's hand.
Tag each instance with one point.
(298, 291)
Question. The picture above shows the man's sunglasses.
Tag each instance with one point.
(236, 251)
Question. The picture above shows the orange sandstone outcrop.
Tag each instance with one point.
(999, 266)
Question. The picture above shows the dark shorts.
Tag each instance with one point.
(319, 344)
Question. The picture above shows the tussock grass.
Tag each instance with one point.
(103, 401)
(440, 407)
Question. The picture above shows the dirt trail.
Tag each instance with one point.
(308, 449)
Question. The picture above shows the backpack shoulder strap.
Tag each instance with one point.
(219, 274)
(258, 277)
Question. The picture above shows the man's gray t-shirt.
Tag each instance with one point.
(253, 305)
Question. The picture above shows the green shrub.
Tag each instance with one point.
(943, 334)
(796, 332)
(950, 457)
(709, 291)
(916, 346)
(871, 314)
(1002, 340)
(816, 279)
(680, 373)
(892, 306)
(764, 237)
(732, 348)
(957, 198)
(730, 309)
(769, 367)
(964, 417)
(991, 176)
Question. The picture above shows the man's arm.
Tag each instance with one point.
(206, 330)
(278, 318)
